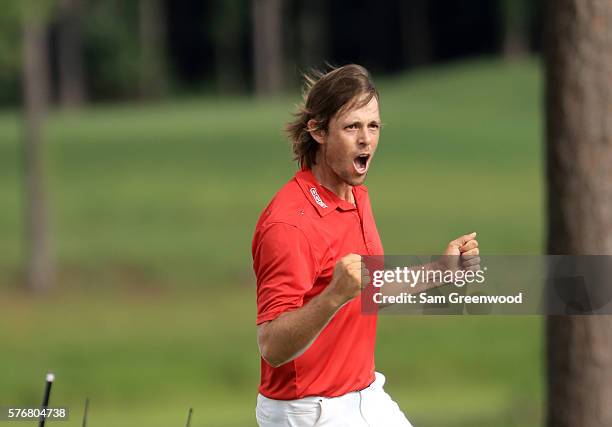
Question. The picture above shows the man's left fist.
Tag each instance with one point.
(464, 252)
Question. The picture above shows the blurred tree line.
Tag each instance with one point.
(69, 52)
(126, 49)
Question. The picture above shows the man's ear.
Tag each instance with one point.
(316, 133)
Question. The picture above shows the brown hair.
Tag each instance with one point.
(325, 95)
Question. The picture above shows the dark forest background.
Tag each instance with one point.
(125, 49)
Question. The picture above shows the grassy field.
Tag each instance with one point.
(153, 212)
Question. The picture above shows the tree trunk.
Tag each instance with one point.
(153, 63)
(70, 54)
(578, 40)
(267, 46)
(313, 33)
(228, 34)
(36, 93)
(415, 31)
(516, 14)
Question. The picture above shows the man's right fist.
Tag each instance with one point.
(350, 276)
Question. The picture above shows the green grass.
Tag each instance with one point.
(153, 210)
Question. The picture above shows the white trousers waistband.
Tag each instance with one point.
(370, 407)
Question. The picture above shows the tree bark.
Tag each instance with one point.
(35, 78)
(70, 54)
(578, 42)
(153, 44)
(267, 46)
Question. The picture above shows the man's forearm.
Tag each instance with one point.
(289, 335)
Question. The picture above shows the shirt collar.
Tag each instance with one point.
(323, 200)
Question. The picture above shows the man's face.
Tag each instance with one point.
(349, 144)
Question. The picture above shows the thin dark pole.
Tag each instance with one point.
(49, 382)
(189, 417)
(85, 412)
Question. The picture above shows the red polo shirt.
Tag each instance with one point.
(299, 238)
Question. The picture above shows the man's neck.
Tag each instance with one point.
(328, 179)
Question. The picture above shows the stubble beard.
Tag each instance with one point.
(341, 174)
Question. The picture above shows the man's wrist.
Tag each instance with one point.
(331, 299)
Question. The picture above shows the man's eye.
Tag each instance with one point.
(375, 126)
(353, 126)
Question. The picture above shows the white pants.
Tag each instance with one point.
(370, 407)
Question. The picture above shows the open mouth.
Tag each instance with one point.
(361, 163)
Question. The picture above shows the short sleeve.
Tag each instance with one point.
(285, 269)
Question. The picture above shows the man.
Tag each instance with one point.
(317, 348)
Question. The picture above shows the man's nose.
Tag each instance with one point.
(364, 138)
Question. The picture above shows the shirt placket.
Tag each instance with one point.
(364, 233)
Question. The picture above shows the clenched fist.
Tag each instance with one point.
(463, 253)
(350, 277)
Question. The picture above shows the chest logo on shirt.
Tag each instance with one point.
(317, 198)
